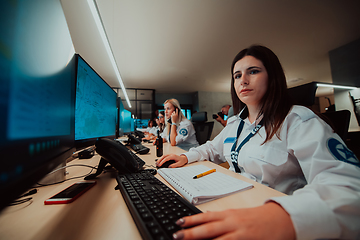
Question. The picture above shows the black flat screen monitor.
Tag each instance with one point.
(37, 94)
(95, 108)
(120, 106)
(127, 123)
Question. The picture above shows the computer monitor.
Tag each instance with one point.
(127, 123)
(120, 128)
(141, 123)
(95, 108)
(37, 94)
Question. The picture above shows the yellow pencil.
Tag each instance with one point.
(205, 173)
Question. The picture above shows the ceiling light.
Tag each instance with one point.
(334, 86)
(100, 27)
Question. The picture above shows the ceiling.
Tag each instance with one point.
(187, 46)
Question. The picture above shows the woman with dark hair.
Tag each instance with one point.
(150, 130)
(276, 102)
(283, 146)
(160, 122)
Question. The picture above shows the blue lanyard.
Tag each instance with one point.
(235, 153)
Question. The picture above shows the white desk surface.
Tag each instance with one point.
(101, 212)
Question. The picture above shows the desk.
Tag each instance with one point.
(101, 213)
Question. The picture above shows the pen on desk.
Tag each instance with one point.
(205, 173)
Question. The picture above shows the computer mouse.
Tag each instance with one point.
(166, 164)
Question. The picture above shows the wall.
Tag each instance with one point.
(345, 70)
(345, 62)
(211, 102)
(186, 98)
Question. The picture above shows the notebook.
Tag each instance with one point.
(207, 188)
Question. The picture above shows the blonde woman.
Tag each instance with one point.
(179, 131)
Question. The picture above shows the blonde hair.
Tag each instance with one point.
(176, 104)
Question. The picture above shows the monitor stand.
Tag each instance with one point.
(55, 177)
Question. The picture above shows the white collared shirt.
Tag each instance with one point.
(309, 154)
(185, 137)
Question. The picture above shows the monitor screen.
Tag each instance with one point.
(95, 108)
(120, 107)
(142, 123)
(127, 123)
(37, 96)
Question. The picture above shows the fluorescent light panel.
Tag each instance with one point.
(334, 86)
(105, 40)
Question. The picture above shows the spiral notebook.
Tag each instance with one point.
(203, 189)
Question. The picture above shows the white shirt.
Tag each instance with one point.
(185, 137)
(310, 154)
(153, 130)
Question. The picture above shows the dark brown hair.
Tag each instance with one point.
(276, 102)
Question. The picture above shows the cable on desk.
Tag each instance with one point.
(20, 201)
(31, 192)
(74, 165)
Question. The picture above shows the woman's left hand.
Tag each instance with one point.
(269, 221)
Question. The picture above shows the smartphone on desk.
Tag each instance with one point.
(70, 193)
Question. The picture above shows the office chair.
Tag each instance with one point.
(340, 122)
(203, 129)
(304, 94)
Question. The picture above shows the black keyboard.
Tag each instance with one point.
(154, 207)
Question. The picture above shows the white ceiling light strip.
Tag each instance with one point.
(334, 86)
(100, 27)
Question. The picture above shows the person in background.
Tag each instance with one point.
(178, 131)
(286, 147)
(160, 122)
(225, 110)
(150, 128)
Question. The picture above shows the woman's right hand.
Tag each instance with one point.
(179, 160)
(175, 115)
